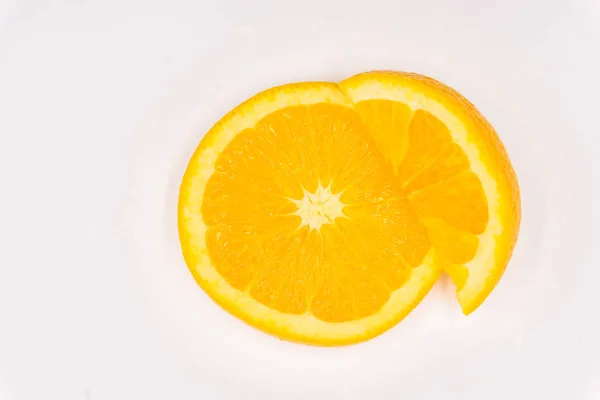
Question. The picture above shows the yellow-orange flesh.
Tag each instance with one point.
(316, 213)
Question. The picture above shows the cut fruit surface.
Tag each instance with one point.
(324, 213)
(456, 174)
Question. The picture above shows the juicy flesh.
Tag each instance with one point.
(325, 209)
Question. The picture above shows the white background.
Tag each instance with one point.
(101, 105)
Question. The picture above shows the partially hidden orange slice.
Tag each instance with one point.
(324, 213)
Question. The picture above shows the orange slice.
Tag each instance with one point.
(454, 170)
(324, 213)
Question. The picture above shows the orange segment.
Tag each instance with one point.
(240, 199)
(368, 245)
(428, 138)
(282, 280)
(459, 201)
(453, 245)
(391, 227)
(235, 251)
(345, 288)
(387, 122)
(450, 162)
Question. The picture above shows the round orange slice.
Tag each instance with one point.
(323, 213)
